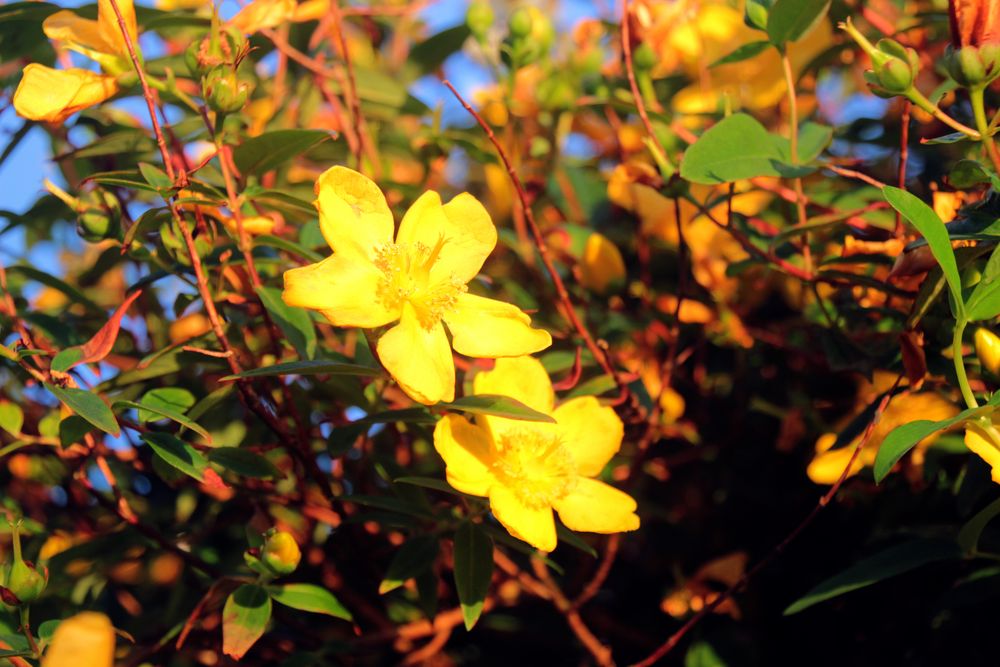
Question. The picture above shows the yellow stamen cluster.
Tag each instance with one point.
(406, 278)
(536, 466)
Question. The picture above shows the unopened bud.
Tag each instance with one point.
(894, 67)
(281, 553)
(23, 581)
(223, 90)
(479, 18)
(520, 22)
(644, 57)
(99, 216)
(755, 14)
(973, 66)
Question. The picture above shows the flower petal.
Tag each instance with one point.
(353, 214)
(52, 95)
(109, 28)
(263, 14)
(537, 527)
(521, 378)
(468, 453)
(482, 327)
(593, 432)
(596, 507)
(419, 359)
(463, 224)
(343, 288)
(76, 32)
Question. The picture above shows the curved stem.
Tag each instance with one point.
(979, 111)
(963, 379)
(918, 98)
(793, 141)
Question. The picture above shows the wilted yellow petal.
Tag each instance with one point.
(343, 288)
(419, 359)
(596, 507)
(468, 454)
(601, 266)
(591, 431)
(87, 639)
(252, 224)
(51, 95)
(536, 526)
(521, 378)
(76, 32)
(461, 231)
(353, 214)
(483, 327)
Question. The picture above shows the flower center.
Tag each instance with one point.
(406, 278)
(536, 466)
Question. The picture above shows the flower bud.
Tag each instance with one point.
(894, 67)
(99, 216)
(973, 66)
(644, 57)
(755, 14)
(23, 580)
(223, 90)
(221, 46)
(520, 22)
(281, 553)
(988, 350)
(479, 18)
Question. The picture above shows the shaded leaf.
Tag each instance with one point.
(733, 149)
(498, 406)
(177, 453)
(744, 52)
(244, 462)
(414, 557)
(269, 150)
(883, 565)
(307, 367)
(968, 536)
(473, 570)
(294, 322)
(789, 20)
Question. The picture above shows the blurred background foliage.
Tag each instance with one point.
(757, 341)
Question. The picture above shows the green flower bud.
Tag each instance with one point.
(23, 580)
(223, 45)
(973, 66)
(644, 57)
(520, 23)
(98, 216)
(756, 12)
(281, 553)
(223, 90)
(479, 18)
(894, 67)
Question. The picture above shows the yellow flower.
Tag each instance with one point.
(51, 95)
(262, 14)
(281, 553)
(419, 279)
(84, 640)
(527, 469)
(829, 464)
(601, 266)
(978, 442)
(988, 350)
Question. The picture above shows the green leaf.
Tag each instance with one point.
(473, 570)
(414, 557)
(933, 230)
(429, 483)
(968, 536)
(244, 618)
(72, 429)
(150, 413)
(307, 597)
(984, 302)
(952, 138)
(288, 246)
(177, 453)
(174, 399)
(789, 20)
(155, 176)
(702, 654)
(741, 53)
(904, 438)
(567, 536)
(244, 462)
(813, 138)
(498, 406)
(427, 56)
(883, 565)
(265, 152)
(11, 417)
(307, 367)
(66, 359)
(733, 149)
(75, 295)
(295, 323)
(89, 406)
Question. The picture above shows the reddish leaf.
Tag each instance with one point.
(100, 345)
